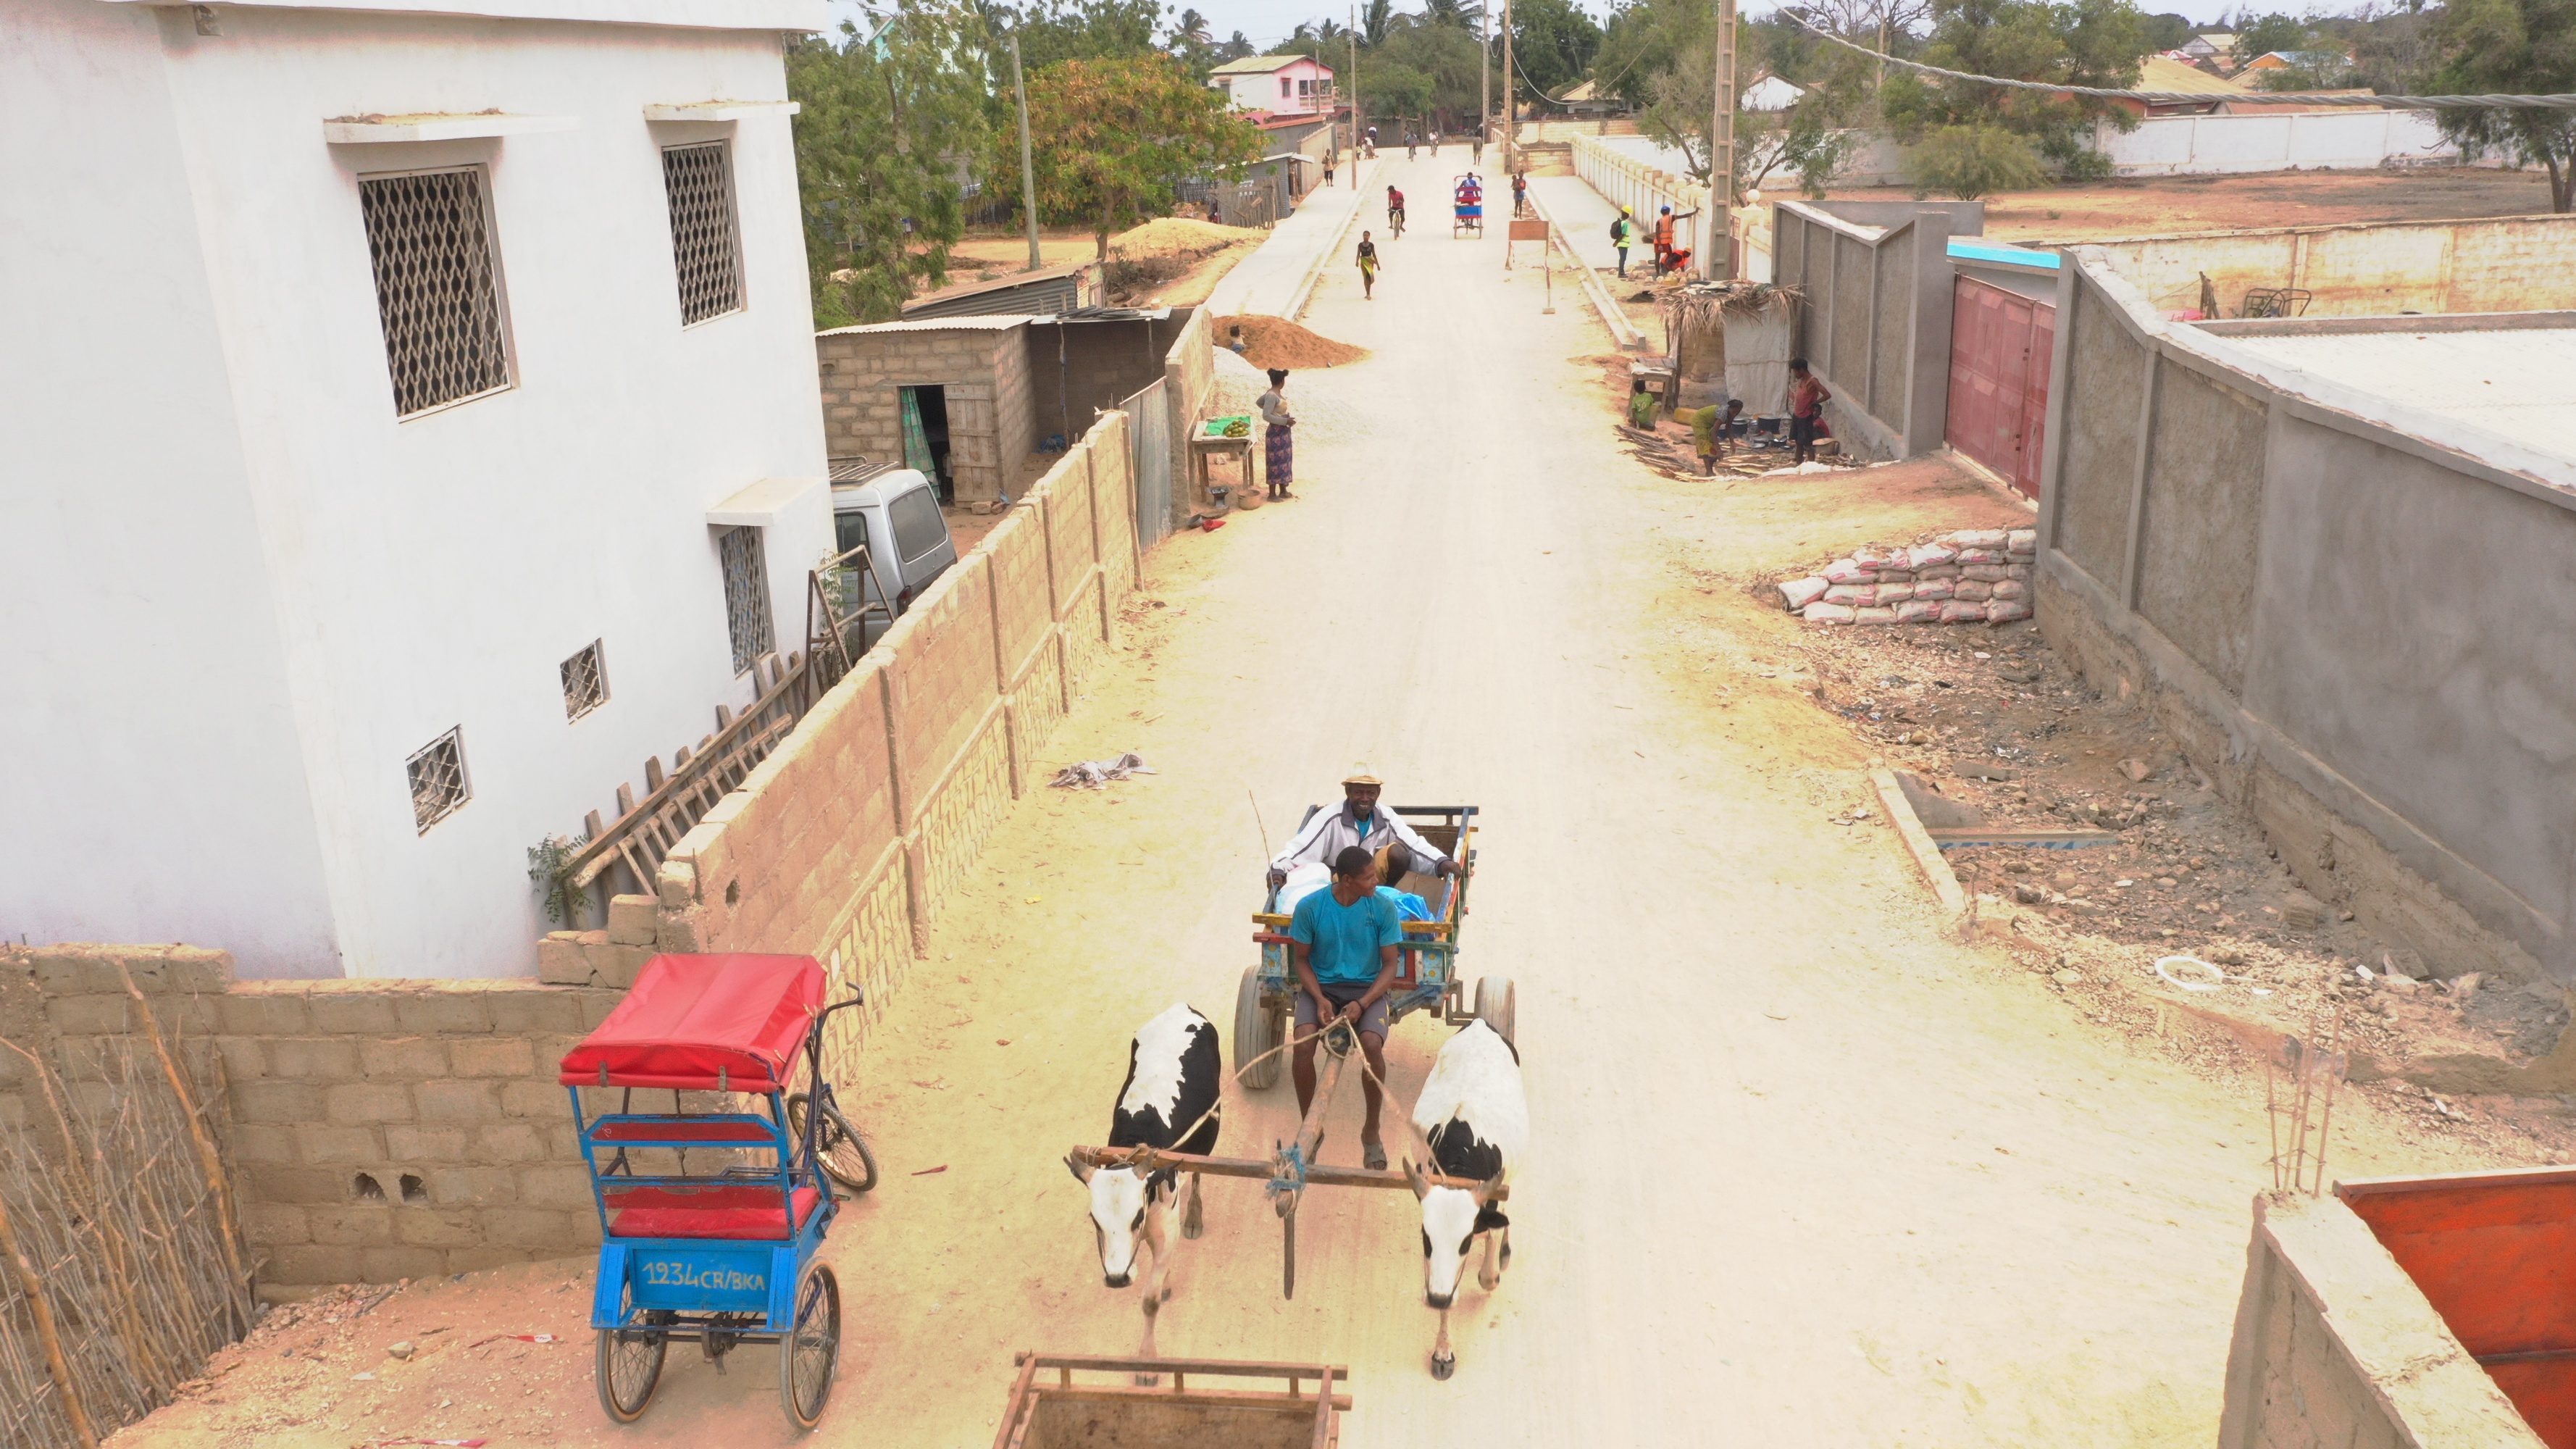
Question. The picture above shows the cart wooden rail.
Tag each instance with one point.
(1062, 1413)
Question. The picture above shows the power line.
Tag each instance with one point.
(2314, 98)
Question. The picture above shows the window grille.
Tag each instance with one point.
(699, 180)
(437, 286)
(746, 597)
(585, 682)
(438, 784)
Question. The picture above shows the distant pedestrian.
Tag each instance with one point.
(1520, 192)
(1807, 398)
(1328, 168)
(1435, 142)
(1622, 233)
(1278, 449)
(1367, 258)
(1235, 344)
(1216, 217)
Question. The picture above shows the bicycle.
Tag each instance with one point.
(839, 1149)
(1395, 220)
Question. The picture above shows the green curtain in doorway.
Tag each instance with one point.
(916, 443)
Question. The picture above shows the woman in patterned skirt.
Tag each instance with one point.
(1278, 448)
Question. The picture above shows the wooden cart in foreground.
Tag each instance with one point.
(1050, 1410)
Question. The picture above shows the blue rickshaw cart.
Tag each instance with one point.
(1467, 200)
(724, 1255)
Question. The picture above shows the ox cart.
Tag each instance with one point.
(1426, 974)
(1427, 980)
(1051, 1409)
(725, 1254)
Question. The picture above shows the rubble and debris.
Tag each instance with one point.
(1097, 774)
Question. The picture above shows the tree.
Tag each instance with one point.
(1973, 161)
(2266, 34)
(1112, 138)
(2165, 32)
(2079, 42)
(1237, 47)
(1375, 17)
(2512, 47)
(878, 142)
(1553, 43)
(1059, 30)
(1808, 141)
(1447, 57)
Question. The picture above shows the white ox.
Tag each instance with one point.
(1474, 1117)
(1173, 1073)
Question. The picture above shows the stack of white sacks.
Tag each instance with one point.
(1974, 576)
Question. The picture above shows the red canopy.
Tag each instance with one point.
(703, 1024)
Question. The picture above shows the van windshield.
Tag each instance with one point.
(918, 528)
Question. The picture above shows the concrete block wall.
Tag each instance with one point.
(1873, 321)
(846, 840)
(2506, 264)
(372, 1129)
(1189, 376)
(2269, 570)
(2335, 1346)
(985, 369)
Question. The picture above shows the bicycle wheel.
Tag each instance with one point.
(838, 1145)
(628, 1366)
(808, 1353)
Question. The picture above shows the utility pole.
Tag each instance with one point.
(1721, 151)
(1484, 78)
(1028, 166)
(1511, 113)
(1355, 96)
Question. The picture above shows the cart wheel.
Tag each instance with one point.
(628, 1367)
(1256, 1030)
(1498, 1006)
(844, 1153)
(810, 1352)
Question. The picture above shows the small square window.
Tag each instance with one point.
(585, 682)
(438, 784)
(746, 587)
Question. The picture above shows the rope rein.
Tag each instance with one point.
(1342, 1041)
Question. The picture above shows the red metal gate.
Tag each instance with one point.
(1999, 349)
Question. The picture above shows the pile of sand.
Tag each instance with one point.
(1278, 342)
(1167, 236)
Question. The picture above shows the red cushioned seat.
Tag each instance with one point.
(733, 1210)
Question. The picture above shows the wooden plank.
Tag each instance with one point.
(2053, 839)
(1263, 1167)
(1197, 1398)
(1130, 1363)
(1022, 1408)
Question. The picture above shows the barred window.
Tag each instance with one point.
(704, 243)
(438, 784)
(585, 682)
(438, 286)
(746, 589)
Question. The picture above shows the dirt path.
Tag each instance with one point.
(1806, 1173)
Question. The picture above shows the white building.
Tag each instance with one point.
(368, 378)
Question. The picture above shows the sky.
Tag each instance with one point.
(1266, 21)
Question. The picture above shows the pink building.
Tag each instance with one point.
(1285, 85)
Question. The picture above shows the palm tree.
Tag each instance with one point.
(1193, 27)
(1373, 22)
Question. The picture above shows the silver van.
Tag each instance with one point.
(895, 512)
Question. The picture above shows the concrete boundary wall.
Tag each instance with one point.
(2345, 138)
(2381, 269)
(1873, 321)
(2275, 561)
(2335, 1345)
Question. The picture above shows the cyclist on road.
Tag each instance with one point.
(1395, 211)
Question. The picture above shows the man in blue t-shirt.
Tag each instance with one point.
(1342, 945)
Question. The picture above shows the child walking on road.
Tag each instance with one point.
(1368, 268)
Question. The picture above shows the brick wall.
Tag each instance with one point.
(848, 837)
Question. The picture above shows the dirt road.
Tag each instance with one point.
(1805, 1173)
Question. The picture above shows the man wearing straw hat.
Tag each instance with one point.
(1398, 847)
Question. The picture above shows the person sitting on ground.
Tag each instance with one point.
(1234, 342)
(1397, 847)
(1641, 406)
(1342, 946)
(1807, 398)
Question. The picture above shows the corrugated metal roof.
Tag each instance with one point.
(1260, 64)
(935, 324)
(2156, 73)
(2511, 382)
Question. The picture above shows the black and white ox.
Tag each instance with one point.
(1475, 1119)
(1173, 1072)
